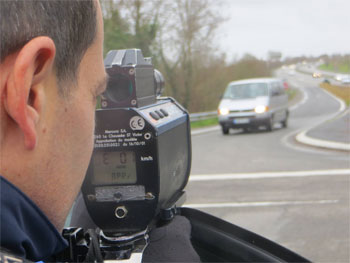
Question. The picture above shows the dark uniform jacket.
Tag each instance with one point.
(24, 229)
(26, 232)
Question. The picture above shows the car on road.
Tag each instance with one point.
(316, 75)
(338, 77)
(343, 78)
(252, 103)
(346, 80)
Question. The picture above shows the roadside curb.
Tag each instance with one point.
(302, 136)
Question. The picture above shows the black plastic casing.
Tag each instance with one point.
(163, 163)
(132, 66)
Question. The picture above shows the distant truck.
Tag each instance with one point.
(252, 103)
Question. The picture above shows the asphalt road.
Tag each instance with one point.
(293, 194)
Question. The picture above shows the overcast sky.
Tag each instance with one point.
(293, 27)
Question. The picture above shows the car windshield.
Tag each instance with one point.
(246, 91)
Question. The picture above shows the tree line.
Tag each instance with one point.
(179, 35)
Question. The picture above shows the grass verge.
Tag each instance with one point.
(341, 68)
(341, 92)
(204, 123)
(291, 92)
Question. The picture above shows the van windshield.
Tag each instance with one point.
(246, 91)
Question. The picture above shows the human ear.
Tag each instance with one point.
(24, 92)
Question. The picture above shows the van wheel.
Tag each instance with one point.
(285, 122)
(269, 124)
(225, 130)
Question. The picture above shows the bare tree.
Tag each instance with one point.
(186, 38)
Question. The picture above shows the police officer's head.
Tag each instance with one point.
(51, 70)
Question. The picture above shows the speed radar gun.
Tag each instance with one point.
(140, 164)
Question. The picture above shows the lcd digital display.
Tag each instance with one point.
(112, 168)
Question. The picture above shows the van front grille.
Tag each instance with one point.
(237, 111)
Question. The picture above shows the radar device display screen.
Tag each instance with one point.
(114, 168)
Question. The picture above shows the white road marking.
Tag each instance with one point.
(343, 114)
(342, 105)
(304, 99)
(205, 130)
(303, 148)
(238, 176)
(261, 204)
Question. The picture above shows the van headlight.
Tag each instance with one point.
(261, 109)
(223, 111)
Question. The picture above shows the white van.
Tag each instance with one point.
(252, 103)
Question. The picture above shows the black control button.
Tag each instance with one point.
(161, 115)
(154, 116)
(165, 113)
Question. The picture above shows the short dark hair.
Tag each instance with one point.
(70, 23)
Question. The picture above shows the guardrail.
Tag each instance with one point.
(203, 115)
